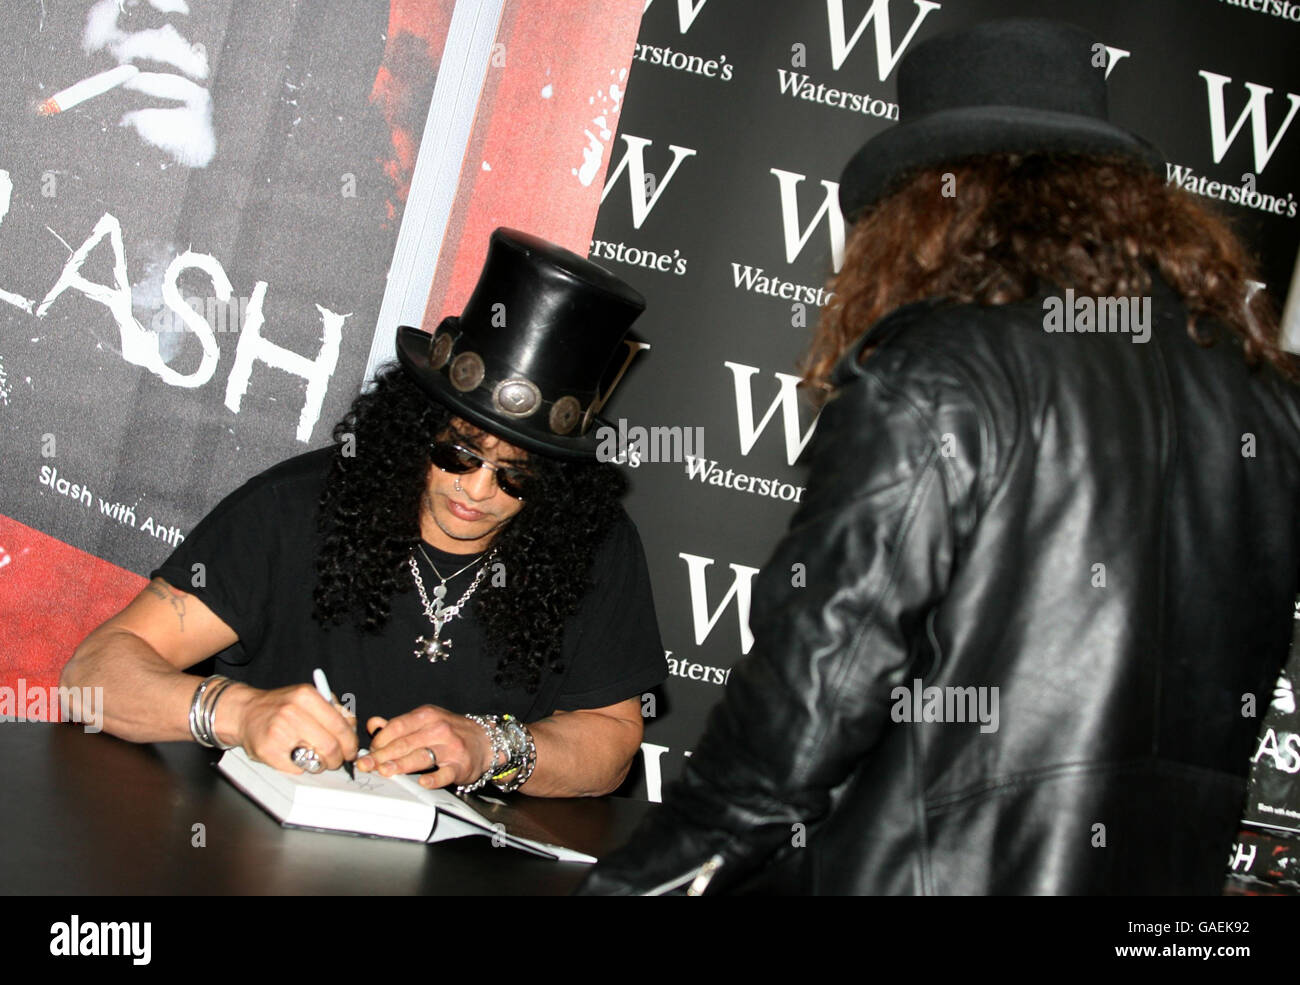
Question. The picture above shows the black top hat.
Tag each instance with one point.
(1018, 85)
(526, 358)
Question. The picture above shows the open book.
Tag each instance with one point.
(382, 807)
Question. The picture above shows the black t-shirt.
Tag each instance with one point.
(257, 550)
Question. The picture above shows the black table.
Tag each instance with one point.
(87, 814)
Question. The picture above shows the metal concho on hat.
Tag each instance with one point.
(516, 397)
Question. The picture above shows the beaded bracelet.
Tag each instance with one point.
(496, 736)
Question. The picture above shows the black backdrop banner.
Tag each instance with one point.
(720, 206)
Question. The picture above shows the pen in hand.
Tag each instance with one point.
(323, 689)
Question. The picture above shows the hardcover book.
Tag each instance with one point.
(376, 806)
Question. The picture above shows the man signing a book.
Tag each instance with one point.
(457, 563)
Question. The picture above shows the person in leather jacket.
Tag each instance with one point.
(1051, 534)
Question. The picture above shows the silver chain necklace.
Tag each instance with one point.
(441, 590)
(436, 648)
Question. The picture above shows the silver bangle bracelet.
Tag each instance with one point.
(210, 713)
(203, 709)
(196, 705)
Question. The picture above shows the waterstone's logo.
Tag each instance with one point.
(844, 37)
(786, 404)
(1255, 111)
(1274, 8)
(644, 187)
(888, 55)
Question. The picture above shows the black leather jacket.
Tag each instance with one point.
(1105, 531)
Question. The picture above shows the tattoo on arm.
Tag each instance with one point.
(164, 591)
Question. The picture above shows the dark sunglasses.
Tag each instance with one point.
(453, 458)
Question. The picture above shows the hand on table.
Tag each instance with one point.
(271, 724)
(461, 750)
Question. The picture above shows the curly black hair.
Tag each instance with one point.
(370, 522)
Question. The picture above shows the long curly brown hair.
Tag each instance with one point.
(1010, 222)
(369, 523)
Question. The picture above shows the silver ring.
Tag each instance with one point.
(306, 758)
(433, 758)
